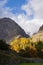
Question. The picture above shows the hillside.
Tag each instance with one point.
(39, 35)
(29, 47)
(10, 29)
(12, 59)
(20, 49)
(41, 28)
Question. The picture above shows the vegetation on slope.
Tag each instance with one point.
(27, 48)
(3, 45)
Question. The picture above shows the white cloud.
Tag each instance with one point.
(38, 8)
(6, 11)
(35, 6)
(27, 9)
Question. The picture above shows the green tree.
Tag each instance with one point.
(3, 45)
(39, 47)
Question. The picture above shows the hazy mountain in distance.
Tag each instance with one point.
(10, 29)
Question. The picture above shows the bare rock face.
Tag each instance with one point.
(10, 29)
(39, 35)
(41, 28)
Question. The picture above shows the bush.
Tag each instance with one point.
(3, 45)
(39, 47)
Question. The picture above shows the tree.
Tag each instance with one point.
(21, 52)
(3, 45)
(39, 47)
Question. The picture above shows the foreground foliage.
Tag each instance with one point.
(3, 45)
(9, 57)
(27, 48)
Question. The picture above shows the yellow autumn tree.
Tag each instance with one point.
(24, 42)
(19, 43)
(14, 45)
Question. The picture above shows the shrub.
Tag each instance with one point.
(3, 45)
(39, 47)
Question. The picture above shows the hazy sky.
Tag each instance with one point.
(27, 13)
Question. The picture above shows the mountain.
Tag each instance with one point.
(39, 35)
(41, 28)
(10, 29)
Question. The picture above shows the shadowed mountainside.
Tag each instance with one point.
(10, 29)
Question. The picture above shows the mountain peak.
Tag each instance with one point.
(10, 29)
(41, 28)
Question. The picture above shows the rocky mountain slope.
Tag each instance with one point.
(41, 28)
(10, 29)
(39, 35)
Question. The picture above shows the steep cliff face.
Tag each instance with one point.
(10, 29)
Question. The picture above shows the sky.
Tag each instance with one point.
(27, 13)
